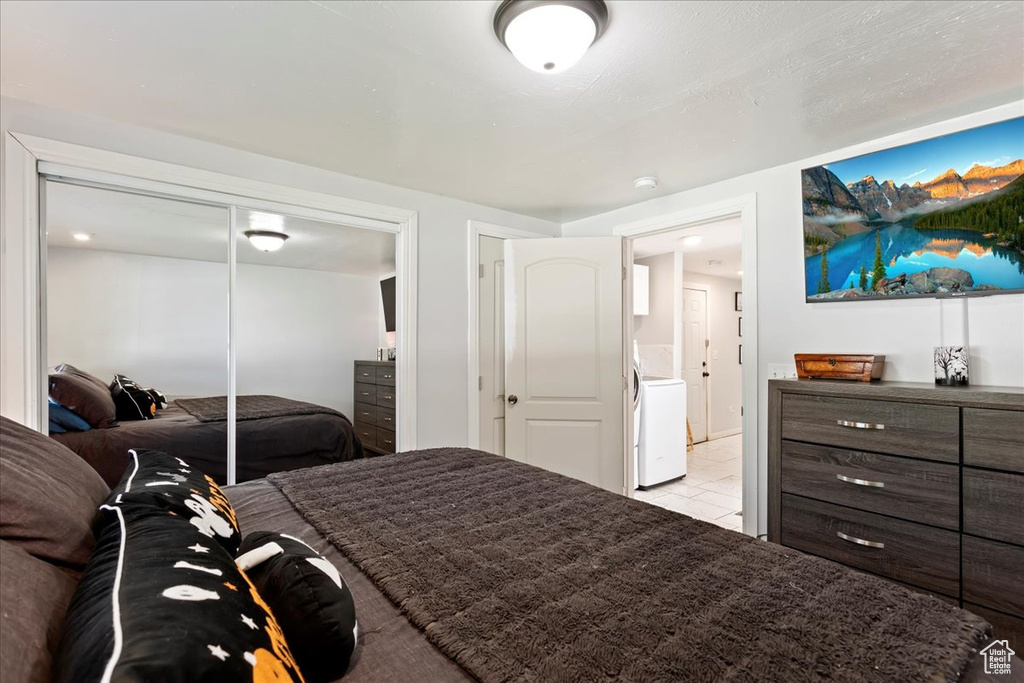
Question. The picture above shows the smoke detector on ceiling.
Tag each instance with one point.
(648, 182)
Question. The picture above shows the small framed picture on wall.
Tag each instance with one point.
(739, 301)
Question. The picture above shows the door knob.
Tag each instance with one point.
(513, 399)
(706, 374)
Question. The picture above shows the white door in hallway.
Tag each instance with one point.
(491, 323)
(695, 360)
(564, 376)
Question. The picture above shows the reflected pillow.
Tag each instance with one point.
(63, 419)
(83, 394)
(132, 401)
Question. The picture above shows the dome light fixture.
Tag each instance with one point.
(550, 36)
(266, 240)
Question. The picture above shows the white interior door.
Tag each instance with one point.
(491, 324)
(564, 376)
(695, 360)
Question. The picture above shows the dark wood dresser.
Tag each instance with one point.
(920, 484)
(375, 405)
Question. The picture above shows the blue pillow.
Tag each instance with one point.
(65, 419)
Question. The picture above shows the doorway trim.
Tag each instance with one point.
(21, 319)
(755, 468)
(474, 230)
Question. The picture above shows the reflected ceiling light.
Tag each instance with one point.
(691, 240)
(81, 236)
(266, 240)
(739, 272)
(549, 36)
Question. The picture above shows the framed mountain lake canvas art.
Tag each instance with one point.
(940, 217)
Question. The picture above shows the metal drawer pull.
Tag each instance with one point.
(859, 425)
(861, 482)
(859, 541)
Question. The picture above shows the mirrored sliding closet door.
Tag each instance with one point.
(136, 325)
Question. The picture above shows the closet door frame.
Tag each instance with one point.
(22, 319)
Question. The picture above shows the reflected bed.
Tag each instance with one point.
(264, 445)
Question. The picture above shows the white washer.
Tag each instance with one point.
(661, 453)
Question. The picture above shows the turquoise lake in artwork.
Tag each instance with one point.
(908, 250)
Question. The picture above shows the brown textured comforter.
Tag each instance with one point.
(520, 574)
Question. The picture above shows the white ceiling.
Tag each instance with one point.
(720, 241)
(421, 94)
(139, 224)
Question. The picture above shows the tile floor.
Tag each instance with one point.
(712, 488)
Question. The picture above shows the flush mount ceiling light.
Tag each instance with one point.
(691, 240)
(81, 236)
(266, 240)
(549, 36)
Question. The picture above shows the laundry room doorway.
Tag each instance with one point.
(686, 325)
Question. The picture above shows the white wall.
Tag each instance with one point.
(904, 330)
(657, 327)
(163, 322)
(725, 386)
(442, 288)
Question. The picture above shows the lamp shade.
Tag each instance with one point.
(266, 240)
(549, 37)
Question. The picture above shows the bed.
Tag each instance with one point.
(467, 566)
(273, 435)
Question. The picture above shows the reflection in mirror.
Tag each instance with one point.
(308, 313)
(136, 300)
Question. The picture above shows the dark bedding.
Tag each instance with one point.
(265, 445)
(521, 574)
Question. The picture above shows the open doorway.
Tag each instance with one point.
(687, 334)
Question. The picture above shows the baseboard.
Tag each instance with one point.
(722, 434)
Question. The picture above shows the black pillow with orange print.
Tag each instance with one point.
(156, 479)
(159, 601)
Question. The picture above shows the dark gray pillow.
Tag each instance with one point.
(48, 496)
(83, 394)
(35, 596)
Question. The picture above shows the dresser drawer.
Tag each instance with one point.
(994, 505)
(994, 438)
(386, 375)
(366, 393)
(917, 490)
(367, 434)
(386, 418)
(366, 373)
(367, 414)
(994, 575)
(385, 440)
(385, 396)
(925, 431)
(908, 552)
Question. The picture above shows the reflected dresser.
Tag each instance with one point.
(375, 405)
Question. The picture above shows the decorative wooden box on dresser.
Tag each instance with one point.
(920, 484)
(375, 405)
